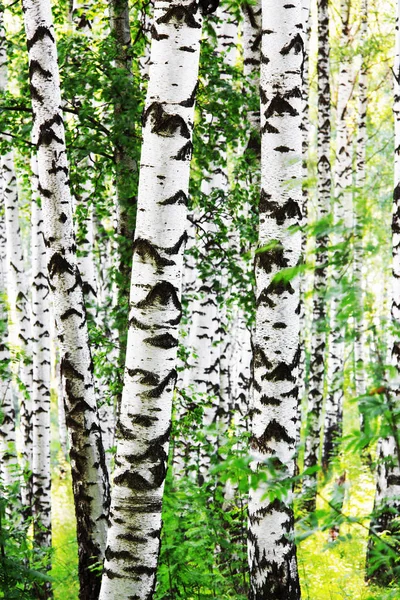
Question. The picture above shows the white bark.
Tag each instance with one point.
(387, 494)
(318, 344)
(62, 426)
(18, 305)
(90, 480)
(305, 127)
(361, 143)
(272, 557)
(41, 363)
(145, 416)
(19, 314)
(252, 49)
(8, 451)
(8, 455)
(342, 214)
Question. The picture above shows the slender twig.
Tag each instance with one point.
(17, 137)
(73, 111)
(354, 521)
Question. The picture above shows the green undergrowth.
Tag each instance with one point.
(328, 571)
(200, 558)
(336, 570)
(65, 557)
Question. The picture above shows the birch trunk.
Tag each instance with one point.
(361, 143)
(89, 474)
(19, 317)
(252, 49)
(41, 363)
(8, 452)
(318, 344)
(305, 127)
(387, 494)
(145, 418)
(272, 553)
(62, 427)
(342, 214)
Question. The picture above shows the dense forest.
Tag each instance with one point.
(200, 299)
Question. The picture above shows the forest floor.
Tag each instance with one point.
(65, 558)
(328, 571)
(336, 570)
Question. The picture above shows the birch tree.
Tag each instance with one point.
(342, 212)
(8, 450)
(272, 554)
(8, 453)
(361, 143)
(18, 303)
(145, 418)
(89, 474)
(305, 127)
(387, 494)
(251, 48)
(318, 344)
(41, 364)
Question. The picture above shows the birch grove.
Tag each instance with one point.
(199, 378)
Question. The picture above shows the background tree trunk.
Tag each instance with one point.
(41, 363)
(342, 211)
(318, 344)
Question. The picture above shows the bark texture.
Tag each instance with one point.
(8, 450)
(41, 363)
(89, 474)
(361, 143)
(8, 455)
(387, 494)
(145, 417)
(17, 295)
(272, 554)
(318, 344)
(252, 49)
(342, 212)
(305, 127)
